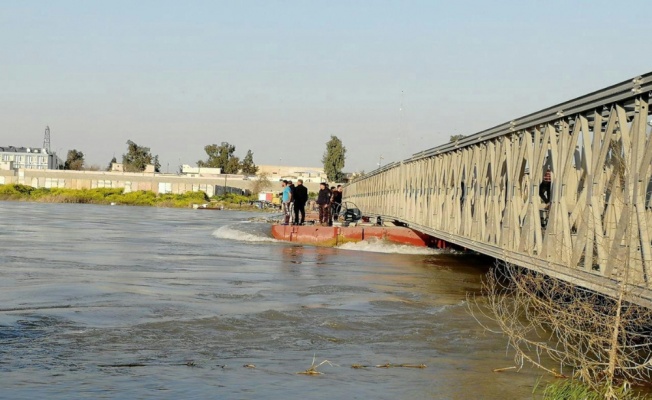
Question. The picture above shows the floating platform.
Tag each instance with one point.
(337, 235)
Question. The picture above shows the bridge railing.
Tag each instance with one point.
(486, 192)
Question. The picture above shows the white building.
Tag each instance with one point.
(200, 171)
(29, 158)
(280, 172)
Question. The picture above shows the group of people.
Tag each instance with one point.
(329, 202)
(295, 197)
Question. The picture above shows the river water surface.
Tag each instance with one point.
(140, 303)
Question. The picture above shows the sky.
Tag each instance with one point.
(388, 78)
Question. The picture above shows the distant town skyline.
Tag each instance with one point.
(279, 78)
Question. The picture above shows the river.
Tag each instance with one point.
(153, 303)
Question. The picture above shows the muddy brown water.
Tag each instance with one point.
(126, 302)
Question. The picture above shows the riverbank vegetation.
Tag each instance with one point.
(597, 345)
(232, 201)
(17, 192)
(229, 201)
(569, 389)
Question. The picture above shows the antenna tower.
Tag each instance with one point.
(46, 139)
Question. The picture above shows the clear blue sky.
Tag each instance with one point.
(280, 77)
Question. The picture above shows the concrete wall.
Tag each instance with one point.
(129, 181)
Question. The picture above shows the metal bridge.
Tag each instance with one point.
(482, 192)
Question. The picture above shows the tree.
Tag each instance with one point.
(333, 159)
(157, 165)
(232, 166)
(222, 157)
(248, 166)
(74, 161)
(456, 138)
(260, 183)
(138, 158)
(113, 160)
(218, 156)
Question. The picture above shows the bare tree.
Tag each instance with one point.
(601, 340)
(260, 183)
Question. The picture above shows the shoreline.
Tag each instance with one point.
(108, 196)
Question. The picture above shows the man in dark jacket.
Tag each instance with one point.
(324, 203)
(545, 187)
(300, 197)
(336, 201)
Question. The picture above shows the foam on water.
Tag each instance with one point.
(380, 246)
(232, 233)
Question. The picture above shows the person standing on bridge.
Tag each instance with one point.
(544, 188)
(324, 203)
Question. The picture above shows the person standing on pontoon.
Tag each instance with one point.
(286, 196)
(300, 196)
(336, 202)
(324, 203)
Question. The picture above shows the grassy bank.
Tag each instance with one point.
(570, 389)
(14, 192)
(100, 196)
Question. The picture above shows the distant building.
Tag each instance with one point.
(280, 172)
(29, 158)
(200, 171)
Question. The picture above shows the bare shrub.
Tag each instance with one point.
(260, 183)
(602, 341)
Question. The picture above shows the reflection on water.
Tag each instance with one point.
(121, 302)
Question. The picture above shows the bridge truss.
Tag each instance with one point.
(482, 192)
